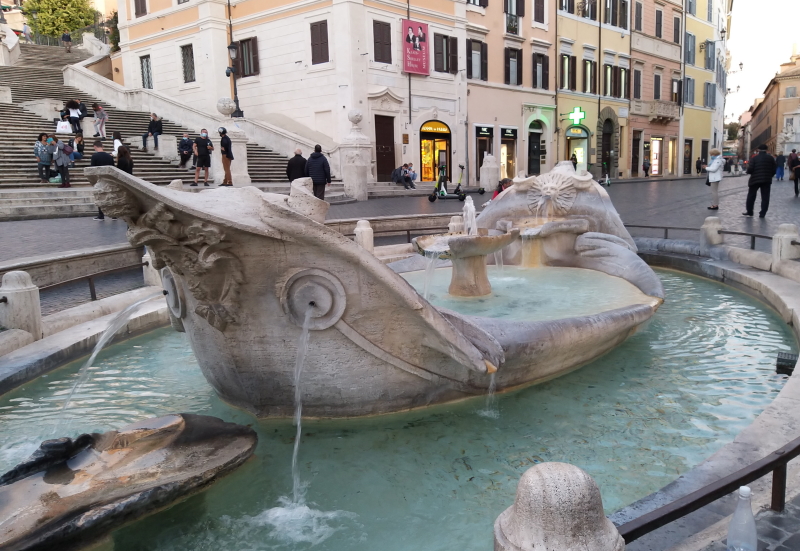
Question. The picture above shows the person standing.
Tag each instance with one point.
(43, 158)
(296, 167)
(574, 160)
(26, 33)
(714, 171)
(761, 171)
(794, 169)
(101, 158)
(100, 120)
(698, 165)
(646, 168)
(226, 148)
(124, 160)
(117, 135)
(66, 39)
(155, 129)
(185, 147)
(60, 159)
(74, 115)
(318, 169)
(202, 149)
(780, 163)
(82, 108)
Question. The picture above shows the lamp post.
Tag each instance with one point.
(233, 51)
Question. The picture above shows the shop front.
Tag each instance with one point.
(484, 145)
(578, 145)
(435, 147)
(536, 148)
(508, 152)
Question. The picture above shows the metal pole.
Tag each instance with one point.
(779, 489)
(238, 112)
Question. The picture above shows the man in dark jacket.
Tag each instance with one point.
(780, 163)
(318, 169)
(185, 147)
(761, 171)
(82, 108)
(153, 129)
(226, 148)
(698, 165)
(296, 167)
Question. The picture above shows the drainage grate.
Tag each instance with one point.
(785, 363)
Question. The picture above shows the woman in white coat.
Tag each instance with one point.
(714, 171)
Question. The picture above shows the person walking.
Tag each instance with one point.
(794, 169)
(77, 149)
(714, 171)
(66, 39)
(100, 120)
(202, 149)
(154, 128)
(780, 163)
(74, 115)
(60, 159)
(117, 135)
(698, 165)
(226, 148)
(646, 168)
(101, 158)
(761, 171)
(43, 158)
(185, 147)
(318, 169)
(296, 167)
(124, 160)
(26, 33)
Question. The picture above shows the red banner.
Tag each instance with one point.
(415, 48)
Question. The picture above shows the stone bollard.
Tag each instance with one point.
(20, 308)
(490, 172)
(557, 506)
(356, 154)
(782, 247)
(364, 235)
(709, 234)
(167, 146)
(456, 224)
(151, 275)
(239, 171)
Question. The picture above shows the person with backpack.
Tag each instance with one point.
(155, 129)
(43, 158)
(60, 159)
(100, 120)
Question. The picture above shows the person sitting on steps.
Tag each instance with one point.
(101, 158)
(185, 147)
(154, 128)
(77, 149)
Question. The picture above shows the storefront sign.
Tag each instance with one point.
(509, 134)
(433, 126)
(576, 132)
(484, 131)
(415, 48)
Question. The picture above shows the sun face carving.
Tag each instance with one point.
(552, 194)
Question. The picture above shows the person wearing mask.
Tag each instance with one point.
(73, 107)
(154, 128)
(101, 158)
(43, 158)
(318, 169)
(761, 171)
(296, 167)
(714, 171)
(202, 149)
(100, 120)
(226, 148)
(780, 163)
(60, 159)
(66, 39)
(124, 160)
(77, 149)
(117, 135)
(185, 147)
(412, 174)
(408, 182)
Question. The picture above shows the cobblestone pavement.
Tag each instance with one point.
(776, 531)
(74, 294)
(26, 238)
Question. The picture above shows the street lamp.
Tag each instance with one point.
(233, 51)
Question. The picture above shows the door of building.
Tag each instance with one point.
(578, 146)
(704, 151)
(656, 161)
(535, 148)
(508, 152)
(687, 156)
(434, 150)
(637, 143)
(384, 147)
(608, 134)
(484, 146)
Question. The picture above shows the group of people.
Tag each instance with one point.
(405, 175)
(75, 111)
(315, 167)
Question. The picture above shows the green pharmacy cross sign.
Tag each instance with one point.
(577, 116)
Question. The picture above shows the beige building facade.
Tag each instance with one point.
(776, 120)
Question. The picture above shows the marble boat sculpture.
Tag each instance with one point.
(243, 268)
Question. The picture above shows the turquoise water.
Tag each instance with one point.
(435, 479)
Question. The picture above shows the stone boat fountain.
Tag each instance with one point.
(242, 269)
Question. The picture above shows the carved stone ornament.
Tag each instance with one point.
(196, 251)
(558, 189)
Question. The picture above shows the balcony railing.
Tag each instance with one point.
(512, 23)
(656, 110)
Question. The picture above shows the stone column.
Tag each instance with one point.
(356, 156)
(782, 247)
(709, 234)
(20, 308)
(239, 169)
(364, 235)
(490, 172)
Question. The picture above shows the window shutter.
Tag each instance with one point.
(254, 53)
(594, 77)
(377, 40)
(140, 7)
(534, 72)
(438, 53)
(538, 11)
(238, 66)
(452, 51)
(637, 17)
(659, 23)
(484, 3)
(615, 81)
(585, 78)
(484, 61)
(507, 73)
(676, 30)
(705, 95)
(323, 41)
(637, 84)
(545, 72)
(563, 82)
(518, 56)
(469, 58)
(521, 8)
(656, 86)
(573, 72)
(387, 42)
(623, 14)
(315, 56)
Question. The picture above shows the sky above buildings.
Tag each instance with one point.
(762, 35)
